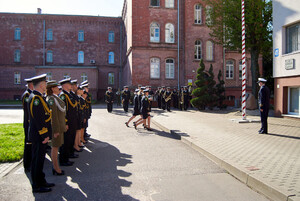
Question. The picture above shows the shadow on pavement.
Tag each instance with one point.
(285, 136)
(95, 175)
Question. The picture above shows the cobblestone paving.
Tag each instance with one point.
(273, 158)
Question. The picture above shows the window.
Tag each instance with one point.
(49, 76)
(169, 3)
(154, 32)
(293, 38)
(17, 56)
(66, 75)
(198, 13)
(84, 77)
(17, 34)
(198, 50)
(49, 35)
(154, 2)
(229, 69)
(155, 68)
(209, 51)
(241, 69)
(49, 58)
(17, 78)
(169, 33)
(111, 58)
(208, 19)
(81, 35)
(294, 101)
(170, 69)
(111, 37)
(80, 57)
(111, 78)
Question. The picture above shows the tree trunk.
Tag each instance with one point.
(254, 70)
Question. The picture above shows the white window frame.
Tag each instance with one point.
(49, 76)
(198, 50)
(111, 78)
(17, 34)
(169, 33)
(209, 50)
(80, 57)
(158, 1)
(230, 69)
(49, 35)
(66, 76)
(155, 68)
(154, 32)
(49, 57)
(170, 68)
(81, 35)
(111, 37)
(17, 77)
(111, 57)
(289, 99)
(84, 77)
(198, 14)
(169, 4)
(17, 56)
(293, 46)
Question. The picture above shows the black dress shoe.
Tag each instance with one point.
(48, 185)
(57, 173)
(74, 156)
(126, 124)
(80, 150)
(88, 135)
(81, 146)
(41, 190)
(69, 163)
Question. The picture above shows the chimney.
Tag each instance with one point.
(39, 11)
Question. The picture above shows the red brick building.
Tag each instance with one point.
(82, 47)
(155, 41)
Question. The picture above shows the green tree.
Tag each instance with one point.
(225, 22)
(211, 90)
(220, 89)
(201, 91)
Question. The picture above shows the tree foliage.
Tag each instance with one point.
(211, 90)
(220, 89)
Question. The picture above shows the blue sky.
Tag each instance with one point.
(73, 7)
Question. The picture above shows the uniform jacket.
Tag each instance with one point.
(88, 101)
(40, 118)
(25, 99)
(145, 105)
(58, 119)
(264, 98)
(136, 102)
(71, 107)
(125, 95)
(109, 97)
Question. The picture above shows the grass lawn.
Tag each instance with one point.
(11, 142)
(11, 102)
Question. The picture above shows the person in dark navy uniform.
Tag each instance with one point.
(27, 143)
(145, 111)
(88, 100)
(163, 101)
(136, 110)
(71, 112)
(185, 98)
(109, 99)
(40, 132)
(264, 104)
(175, 98)
(168, 98)
(158, 95)
(125, 98)
(76, 137)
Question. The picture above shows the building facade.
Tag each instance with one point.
(286, 57)
(80, 47)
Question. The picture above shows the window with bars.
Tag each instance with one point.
(49, 35)
(111, 78)
(111, 57)
(81, 35)
(17, 56)
(49, 57)
(170, 69)
(111, 37)
(198, 50)
(17, 34)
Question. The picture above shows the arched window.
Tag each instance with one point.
(80, 57)
(198, 50)
(49, 57)
(170, 37)
(111, 58)
(198, 14)
(111, 37)
(84, 77)
(49, 34)
(154, 68)
(170, 69)
(169, 3)
(154, 32)
(209, 51)
(208, 19)
(17, 34)
(17, 56)
(229, 69)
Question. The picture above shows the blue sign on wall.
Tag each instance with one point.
(276, 52)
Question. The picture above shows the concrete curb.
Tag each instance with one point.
(252, 181)
(10, 168)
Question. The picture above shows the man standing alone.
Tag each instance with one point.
(264, 103)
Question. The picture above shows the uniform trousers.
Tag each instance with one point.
(264, 120)
(109, 107)
(65, 149)
(37, 165)
(125, 105)
(27, 151)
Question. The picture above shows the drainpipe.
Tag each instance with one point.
(178, 40)
(44, 29)
(120, 71)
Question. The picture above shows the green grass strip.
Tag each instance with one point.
(11, 142)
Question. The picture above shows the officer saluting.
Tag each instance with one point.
(27, 143)
(39, 133)
(125, 98)
(264, 104)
